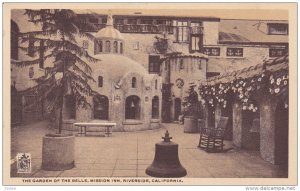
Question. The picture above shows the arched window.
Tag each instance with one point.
(107, 46)
(155, 84)
(100, 81)
(121, 48)
(98, 46)
(100, 107)
(155, 107)
(115, 48)
(70, 107)
(181, 64)
(132, 107)
(14, 40)
(133, 82)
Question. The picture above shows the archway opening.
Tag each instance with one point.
(251, 126)
(70, 107)
(177, 108)
(155, 107)
(228, 112)
(101, 105)
(132, 107)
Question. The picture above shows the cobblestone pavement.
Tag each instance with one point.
(128, 154)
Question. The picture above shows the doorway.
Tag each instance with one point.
(177, 108)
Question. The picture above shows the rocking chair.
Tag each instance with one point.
(211, 139)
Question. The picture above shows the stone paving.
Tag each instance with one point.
(128, 154)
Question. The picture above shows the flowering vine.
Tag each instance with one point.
(242, 89)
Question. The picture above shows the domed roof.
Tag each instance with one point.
(109, 32)
(118, 66)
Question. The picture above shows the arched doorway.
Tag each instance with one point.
(281, 134)
(177, 108)
(251, 126)
(101, 105)
(133, 107)
(155, 107)
(227, 112)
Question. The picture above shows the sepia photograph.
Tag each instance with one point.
(149, 94)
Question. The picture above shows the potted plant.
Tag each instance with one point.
(191, 111)
(69, 74)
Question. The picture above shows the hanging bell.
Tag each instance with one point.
(166, 162)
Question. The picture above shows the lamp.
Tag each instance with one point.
(100, 107)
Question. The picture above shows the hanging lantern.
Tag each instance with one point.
(132, 104)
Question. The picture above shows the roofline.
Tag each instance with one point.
(253, 43)
(256, 20)
(172, 17)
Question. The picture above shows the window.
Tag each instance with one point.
(199, 65)
(182, 32)
(100, 107)
(155, 107)
(31, 72)
(181, 64)
(121, 48)
(155, 84)
(277, 52)
(211, 51)
(41, 53)
(132, 107)
(100, 81)
(278, 28)
(70, 107)
(132, 21)
(154, 63)
(115, 48)
(234, 52)
(31, 46)
(133, 82)
(107, 46)
(119, 21)
(14, 40)
(93, 20)
(98, 47)
(85, 44)
(135, 45)
(196, 43)
(146, 21)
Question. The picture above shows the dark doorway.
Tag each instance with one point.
(227, 112)
(101, 107)
(133, 107)
(281, 134)
(177, 108)
(211, 116)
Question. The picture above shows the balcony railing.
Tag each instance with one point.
(144, 28)
(196, 30)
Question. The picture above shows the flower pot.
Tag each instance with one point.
(190, 124)
(58, 152)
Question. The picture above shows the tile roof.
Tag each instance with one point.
(274, 64)
(248, 31)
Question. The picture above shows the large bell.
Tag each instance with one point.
(166, 162)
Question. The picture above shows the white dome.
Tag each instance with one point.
(118, 66)
(109, 32)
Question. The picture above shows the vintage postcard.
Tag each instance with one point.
(150, 94)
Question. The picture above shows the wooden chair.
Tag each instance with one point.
(211, 139)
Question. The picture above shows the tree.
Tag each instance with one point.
(191, 103)
(57, 41)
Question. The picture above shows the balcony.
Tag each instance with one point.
(144, 28)
(196, 30)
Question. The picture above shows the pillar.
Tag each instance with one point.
(267, 130)
(237, 124)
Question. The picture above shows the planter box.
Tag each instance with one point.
(58, 152)
(190, 125)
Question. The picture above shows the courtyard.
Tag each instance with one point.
(128, 154)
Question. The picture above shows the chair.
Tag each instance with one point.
(211, 139)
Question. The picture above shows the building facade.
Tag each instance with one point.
(163, 53)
